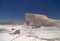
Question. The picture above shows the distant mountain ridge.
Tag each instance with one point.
(10, 23)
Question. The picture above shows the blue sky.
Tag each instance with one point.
(14, 10)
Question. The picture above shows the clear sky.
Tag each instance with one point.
(14, 10)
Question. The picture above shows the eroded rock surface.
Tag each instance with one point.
(38, 19)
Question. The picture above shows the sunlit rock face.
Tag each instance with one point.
(38, 19)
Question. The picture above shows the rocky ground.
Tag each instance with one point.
(45, 33)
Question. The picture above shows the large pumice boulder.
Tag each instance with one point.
(38, 19)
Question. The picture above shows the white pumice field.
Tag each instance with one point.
(29, 34)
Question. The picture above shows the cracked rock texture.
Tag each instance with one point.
(38, 19)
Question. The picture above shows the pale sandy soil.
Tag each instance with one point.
(43, 32)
